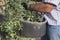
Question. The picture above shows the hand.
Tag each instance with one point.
(41, 7)
(2, 3)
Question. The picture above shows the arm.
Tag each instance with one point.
(46, 6)
(42, 7)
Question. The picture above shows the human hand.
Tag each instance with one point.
(2, 3)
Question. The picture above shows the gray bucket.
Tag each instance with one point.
(33, 29)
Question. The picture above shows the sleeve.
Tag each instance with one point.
(55, 2)
(55, 14)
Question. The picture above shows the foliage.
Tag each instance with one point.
(14, 11)
(30, 15)
(11, 23)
